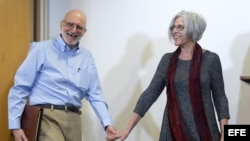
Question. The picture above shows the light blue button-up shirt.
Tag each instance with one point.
(53, 74)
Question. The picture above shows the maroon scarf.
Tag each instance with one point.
(176, 120)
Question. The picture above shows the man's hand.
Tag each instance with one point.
(111, 133)
(19, 135)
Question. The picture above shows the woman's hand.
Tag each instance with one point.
(123, 134)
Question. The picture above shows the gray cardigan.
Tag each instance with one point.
(213, 94)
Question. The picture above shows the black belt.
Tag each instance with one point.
(70, 108)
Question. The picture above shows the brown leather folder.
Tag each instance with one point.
(31, 121)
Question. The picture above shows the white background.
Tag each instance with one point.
(127, 39)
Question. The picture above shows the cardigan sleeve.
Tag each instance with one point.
(155, 88)
(218, 90)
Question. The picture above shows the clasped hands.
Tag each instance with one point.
(113, 134)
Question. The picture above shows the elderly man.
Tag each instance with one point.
(56, 75)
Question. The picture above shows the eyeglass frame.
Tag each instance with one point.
(72, 25)
(179, 27)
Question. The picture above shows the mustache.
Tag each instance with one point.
(72, 35)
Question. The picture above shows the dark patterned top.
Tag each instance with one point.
(213, 94)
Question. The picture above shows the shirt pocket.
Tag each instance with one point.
(83, 79)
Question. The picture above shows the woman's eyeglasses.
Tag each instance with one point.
(178, 27)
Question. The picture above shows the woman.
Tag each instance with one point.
(194, 84)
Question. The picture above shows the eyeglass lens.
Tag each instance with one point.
(178, 27)
(72, 25)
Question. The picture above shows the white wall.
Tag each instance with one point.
(127, 39)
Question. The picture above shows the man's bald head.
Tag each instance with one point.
(75, 14)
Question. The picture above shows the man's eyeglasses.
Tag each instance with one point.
(178, 27)
(72, 25)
